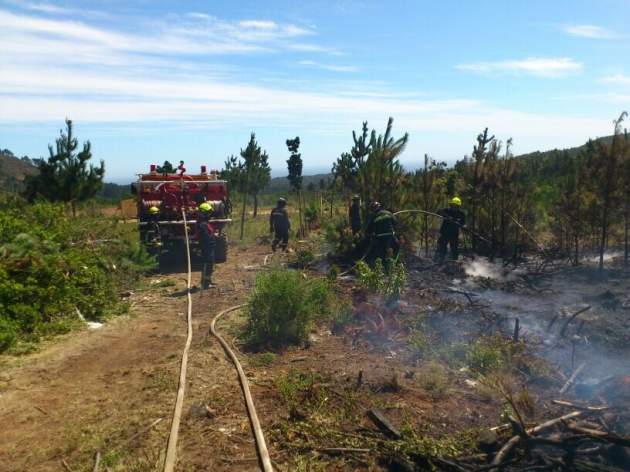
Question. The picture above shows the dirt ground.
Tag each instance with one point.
(112, 389)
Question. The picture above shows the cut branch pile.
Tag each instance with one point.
(580, 440)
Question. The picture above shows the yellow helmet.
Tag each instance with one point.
(154, 210)
(456, 201)
(206, 207)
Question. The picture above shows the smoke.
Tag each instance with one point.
(482, 267)
(608, 256)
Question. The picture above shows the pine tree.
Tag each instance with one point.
(66, 176)
(294, 165)
(250, 175)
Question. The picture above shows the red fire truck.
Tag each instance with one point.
(172, 193)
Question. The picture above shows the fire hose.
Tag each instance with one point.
(171, 450)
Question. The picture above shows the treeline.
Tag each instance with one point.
(564, 201)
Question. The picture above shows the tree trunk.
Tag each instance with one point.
(626, 225)
(73, 205)
(604, 236)
(255, 205)
(243, 213)
(426, 235)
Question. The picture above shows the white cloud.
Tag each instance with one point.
(330, 67)
(197, 36)
(536, 66)
(617, 79)
(590, 31)
(53, 68)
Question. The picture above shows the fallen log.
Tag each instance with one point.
(594, 433)
(574, 376)
(580, 407)
(514, 440)
(379, 419)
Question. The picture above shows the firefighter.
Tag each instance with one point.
(452, 219)
(207, 242)
(280, 225)
(382, 232)
(153, 232)
(354, 214)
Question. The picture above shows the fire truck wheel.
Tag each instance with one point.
(220, 249)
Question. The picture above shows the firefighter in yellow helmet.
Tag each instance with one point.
(152, 233)
(453, 218)
(207, 242)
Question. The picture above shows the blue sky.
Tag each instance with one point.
(147, 80)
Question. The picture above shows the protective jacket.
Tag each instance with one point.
(207, 240)
(382, 224)
(453, 219)
(279, 220)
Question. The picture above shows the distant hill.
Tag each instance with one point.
(281, 184)
(573, 151)
(13, 171)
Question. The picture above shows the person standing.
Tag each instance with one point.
(382, 231)
(207, 242)
(280, 225)
(453, 218)
(354, 215)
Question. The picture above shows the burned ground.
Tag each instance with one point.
(441, 366)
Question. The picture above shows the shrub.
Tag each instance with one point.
(303, 258)
(419, 344)
(8, 334)
(435, 379)
(342, 317)
(387, 280)
(52, 265)
(284, 305)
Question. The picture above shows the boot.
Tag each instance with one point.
(205, 277)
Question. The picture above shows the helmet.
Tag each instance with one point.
(282, 201)
(356, 197)
(375, 206)
(206, 207)
(456, 201)
(154, 210)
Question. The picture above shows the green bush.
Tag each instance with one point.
(303, 258)
(387, 280)
(284, 305)
(486, 355)
(52, 265)
(8, 334)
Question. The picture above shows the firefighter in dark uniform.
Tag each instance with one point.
(354, 215)
(153, 224)
(382, 232)
(207, 242)
(452, 219)
(280, 225)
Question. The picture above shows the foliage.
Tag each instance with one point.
(387, 280)
(342, 317)
(284, 305)
(311, 214)
(249, 176)
(303, 257)
(493, 354)
(166, 168)
(51, 267)
(294, 166)
(65, 175)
